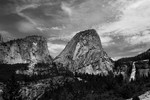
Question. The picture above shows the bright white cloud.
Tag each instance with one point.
(134, 19)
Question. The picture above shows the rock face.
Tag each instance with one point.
(84, 54)
(1, 38)
(28, 50)
(137, 66)
(143, 56)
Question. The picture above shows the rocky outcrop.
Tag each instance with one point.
(31, 49)
(84, 54)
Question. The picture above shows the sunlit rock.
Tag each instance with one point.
(84, 54)
(31, 49)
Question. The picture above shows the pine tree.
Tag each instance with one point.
(11, 90)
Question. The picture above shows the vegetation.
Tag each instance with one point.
(11, 90)
(7, 70)
(82, 87)
(97, 87)
(142, 56)
(44, 71)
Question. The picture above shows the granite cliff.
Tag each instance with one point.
(84, 54)
(134, 67)
(32, 49)
(1, 38)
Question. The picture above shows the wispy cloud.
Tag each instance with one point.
(143, 37)
(19, 10)
(133, 20)
(65, 7)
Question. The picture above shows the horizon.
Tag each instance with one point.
(123, 25)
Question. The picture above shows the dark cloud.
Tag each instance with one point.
(13, 23)
(6, 7)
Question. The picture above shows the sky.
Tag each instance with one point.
(123, 25)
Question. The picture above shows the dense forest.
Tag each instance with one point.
(82, 87)
(97, 87)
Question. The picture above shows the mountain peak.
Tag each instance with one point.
(85, 33)
(84, 53)
(88, 32)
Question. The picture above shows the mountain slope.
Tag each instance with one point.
(28, 50)
(84, 54)
(143, 56)
(134, 67)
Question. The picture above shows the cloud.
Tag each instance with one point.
(77, 17)
(66, 8)
(92, 12)
(134, 19)
(71, 15)
(144, 37)
(121, 24)
(13, 6)
(26, 27)
(19, 10)
(55, 49)
(132, 25)
(58, 28)
(106, 41)
(136, 50)
(63, 37)
(6, 35)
